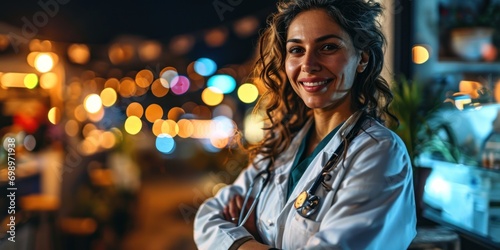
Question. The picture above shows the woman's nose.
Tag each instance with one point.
(310, 63)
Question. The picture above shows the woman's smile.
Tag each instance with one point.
(321, 60)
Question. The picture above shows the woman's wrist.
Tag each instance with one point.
(253, 245)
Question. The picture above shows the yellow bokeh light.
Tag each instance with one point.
(153, 112)
(158, 89)
(44, 62)
(30, 81)
(169, 127)
(133, 125)
(420, 54)
(144, 78)
(108, 97)
(212, 96)
(48, 80)
(54, 115)
(92, 103)
(253, 124)
(71, 128)
(248, 93)
(186, 128)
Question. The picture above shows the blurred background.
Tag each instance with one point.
(119, 118)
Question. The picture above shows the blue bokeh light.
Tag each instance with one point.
(165, 143)
(225, 83)
(205, 66)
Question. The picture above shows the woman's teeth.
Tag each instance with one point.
(312, 84)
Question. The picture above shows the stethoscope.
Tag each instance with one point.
(306, 203)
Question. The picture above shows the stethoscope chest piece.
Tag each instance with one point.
(306, 204)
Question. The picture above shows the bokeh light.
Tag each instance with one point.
(108, 139)
(420, 54)
(225, 83)
(112, 83)
(133, 125)
(180, 85)
(248, 93)
(30, 81)
(97, 116)
(253, 124)
(127, 87)
(72, 128)
(80, 113)
(158, 89)
(29, 142)
(169, 127)
(186, 128)
(54, 115)
(48, 80)
(44, 62)
(156, 128)
(108, 97)
(149, 50)
(205, 66)
(79, 53)
(167, 76)
(165, 143)
(212, 96)
(135, 109)
(153, 112)
(144, 78)
(92, 103)
(175, 113)
(216, 37)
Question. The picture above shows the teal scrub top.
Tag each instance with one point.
(301, 161)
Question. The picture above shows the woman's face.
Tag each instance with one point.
(321, 61)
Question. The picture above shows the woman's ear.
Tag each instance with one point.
(363, 62)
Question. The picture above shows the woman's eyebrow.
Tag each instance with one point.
(319, 39)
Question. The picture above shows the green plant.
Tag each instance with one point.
(415, 129)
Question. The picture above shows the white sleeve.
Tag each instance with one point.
(374, 207)
(211, 231)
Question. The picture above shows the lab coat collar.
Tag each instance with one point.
(320, 160)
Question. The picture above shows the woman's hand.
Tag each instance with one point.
(232, 213)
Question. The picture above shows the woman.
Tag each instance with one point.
(321, 62)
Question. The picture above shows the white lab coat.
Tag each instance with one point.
(373, 207)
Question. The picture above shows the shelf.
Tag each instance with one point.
(463, 66)
(431, 163)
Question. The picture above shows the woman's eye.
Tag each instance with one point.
(330, 47)
(294, 50)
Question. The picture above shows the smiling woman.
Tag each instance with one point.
(328, 174)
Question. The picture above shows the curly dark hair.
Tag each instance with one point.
(286, 112)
